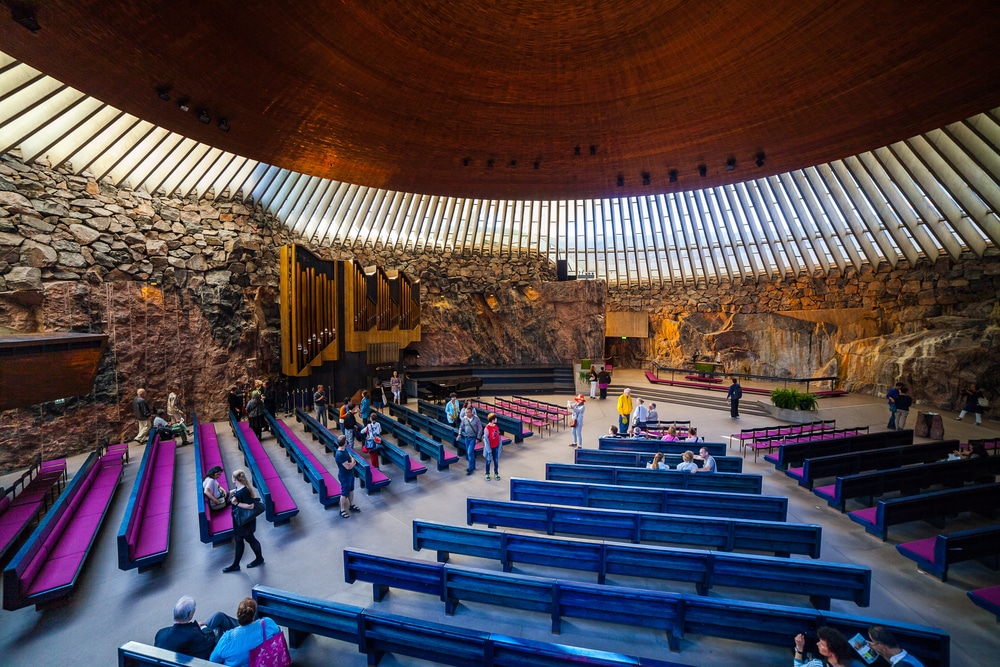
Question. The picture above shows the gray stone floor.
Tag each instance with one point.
(111, 607)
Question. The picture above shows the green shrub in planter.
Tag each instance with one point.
(792, 399)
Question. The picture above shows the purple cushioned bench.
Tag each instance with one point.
(325, 485)
(48, 564)
(39, 485)
(935, 554)
(280, 505)
(144, 535)
(215, 526)
(988, 599)
(983, 499)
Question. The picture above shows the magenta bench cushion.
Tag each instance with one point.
(922, 549)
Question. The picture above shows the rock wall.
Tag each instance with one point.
(933, 326)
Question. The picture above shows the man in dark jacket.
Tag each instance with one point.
(189, 637)
(140, 408)
(734, 396)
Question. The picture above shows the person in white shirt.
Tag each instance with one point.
(657, 462)
(640, 415)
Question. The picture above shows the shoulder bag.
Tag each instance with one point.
(273, 652)
(241, 515)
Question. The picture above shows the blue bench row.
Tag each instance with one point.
(279, 506)
(50, 561)
(215, 527)
(406, 435)
(507, 424)
(722, 482)
(372, 479)
(642, 499)
(816, 468)
(677, 614)
(144, 536)
(794, 453)
(376, 634)
(936, 554)
(324, 483)
(932, 507)
(651, 446)
(821, 581)
(397, 457)
(716, 533)
(910, 480)
(601, 457)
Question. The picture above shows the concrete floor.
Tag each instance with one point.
(111, 607)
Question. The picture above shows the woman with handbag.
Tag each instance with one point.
(974, 400)
(578, 406)
(245, 510)
(238, 646)
(373, 440)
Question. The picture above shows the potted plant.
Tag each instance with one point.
(793, 405)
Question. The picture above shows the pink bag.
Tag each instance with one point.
(272, 653)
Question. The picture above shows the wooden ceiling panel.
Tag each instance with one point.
(399, 94)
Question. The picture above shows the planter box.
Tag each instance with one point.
(793, 416)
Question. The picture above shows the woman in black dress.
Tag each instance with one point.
(242, 496)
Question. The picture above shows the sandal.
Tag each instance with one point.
(344, 514)
(355, 508)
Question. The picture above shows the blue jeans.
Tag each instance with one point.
(470, 451)
(492, 455)
(321, 414)
(623, 423)
(578, 432)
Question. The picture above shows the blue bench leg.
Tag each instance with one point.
(296, 637)
(674, 641)
(374, 656)
(443, 556)
(379, 591)
(820, 602)
(449, 606)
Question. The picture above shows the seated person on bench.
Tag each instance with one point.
(234, 647)
(613, 432)
(978, 450)
(708, 461)
(187, 635)
(657, 462)
(215, 496)
(671, 435)
(168, 431)
(687, 463)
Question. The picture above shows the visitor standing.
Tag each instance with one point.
(734, 396)
(624, 410)
(578, 406)
(242, 497)
(140, 408)
(494, 443)
(593, 381)
(975, 402)
(319, 402)
(470, 430)
(396, 385)
(890, 397)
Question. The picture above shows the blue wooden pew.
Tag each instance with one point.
(794, 453)
(720, 534)
(645, 499)
(144, 535)
(821, 581)
(601, 457)
(279, 506)
(376, 634)
(397, 457)
(507, 424)
(651, 446)
(324, 483)
(983, 499)
(721, 482)
(935, 554)
(136, 654)
(816, 468)
(676, 614)
(427, 448)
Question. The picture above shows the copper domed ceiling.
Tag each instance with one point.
(519, 99)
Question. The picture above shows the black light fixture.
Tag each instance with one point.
(223, 124)
(621, 180)
(25, 16)
(673, 175)
(489, 163)
(645, 178)
(163, 92)
(576, 150)
(203, 117)
(513, 164)
(760, 159)
(702, 170)
(465, 162)
(593, 149)
(730, 164)
(538, 163)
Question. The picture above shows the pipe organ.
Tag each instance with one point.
(329, 308)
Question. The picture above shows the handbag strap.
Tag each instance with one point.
(263, 632)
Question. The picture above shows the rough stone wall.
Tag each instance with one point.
(933, 326)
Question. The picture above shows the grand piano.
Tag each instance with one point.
(442, 388)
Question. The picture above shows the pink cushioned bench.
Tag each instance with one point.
(323, 482)
(988, 599)
(215, 526)
(935, 554)
(279, 504)
(39, 486)
(144, 535)
(48, 564)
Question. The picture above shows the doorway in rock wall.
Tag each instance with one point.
(624, 352)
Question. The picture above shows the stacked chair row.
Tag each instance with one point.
(770, 444)
(559, 410)
(749, 436)
(27, 498)
(48, 564)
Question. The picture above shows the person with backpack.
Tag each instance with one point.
(734, 396)
(372, 433)
(494, 442)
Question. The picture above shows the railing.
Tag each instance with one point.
(784, 381)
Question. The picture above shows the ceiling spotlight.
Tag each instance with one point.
(465, 162)
(731, 164)
(489, 163)
(702, 170)
(25, 16)
(621, 180)
(163, 92)
(538, 163)
(223, 125)
(760, 159)
(203, 117)
(645, 178)
(673, 175)
(593, 149)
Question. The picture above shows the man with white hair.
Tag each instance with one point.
(187, 635)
